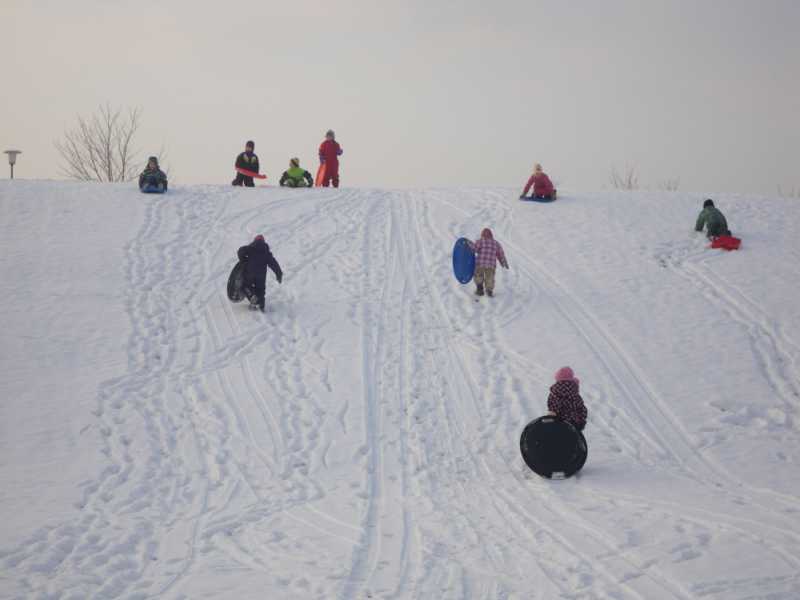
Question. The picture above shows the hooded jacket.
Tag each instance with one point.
(488, 251)
(713, 218)
(566, 402)
(256, 257)
(247, 160)
(156, 176)
(542, 186)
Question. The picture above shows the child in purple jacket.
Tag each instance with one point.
(565, 401)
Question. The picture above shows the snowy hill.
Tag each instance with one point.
(360, 440)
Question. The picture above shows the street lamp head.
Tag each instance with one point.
(12, 156)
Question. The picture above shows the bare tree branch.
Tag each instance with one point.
(101, 147)
(164, 162)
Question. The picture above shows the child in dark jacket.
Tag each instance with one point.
(249, 161)
(712, 218)
(153, 175)
(256, 257)
(565, 401)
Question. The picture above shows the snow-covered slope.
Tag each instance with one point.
(360, 440)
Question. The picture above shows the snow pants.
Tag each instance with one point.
(153, 182)
(243, 180)
(295, 183)
(484, 278)
(331, 176)
(256, 292)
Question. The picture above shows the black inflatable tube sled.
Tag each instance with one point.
(553, 448)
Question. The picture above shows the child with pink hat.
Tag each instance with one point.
(565, 400)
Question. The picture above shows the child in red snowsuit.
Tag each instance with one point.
(565, 401)
(542, 186)
(488, 253)
(329, 153)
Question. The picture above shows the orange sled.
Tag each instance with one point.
(253, 174)
(320, 176)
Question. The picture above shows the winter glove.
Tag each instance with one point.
(280, 278)
(522, 197)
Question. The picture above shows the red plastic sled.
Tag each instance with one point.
(320, 179)
(250, 173)
(726, 242)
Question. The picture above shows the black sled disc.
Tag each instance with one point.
(236, 283)
(553, 448)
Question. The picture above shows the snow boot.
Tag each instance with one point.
(490, 293)
(479, 291)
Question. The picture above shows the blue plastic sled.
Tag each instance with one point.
(463, 261)
(153, 189)
(535, 199)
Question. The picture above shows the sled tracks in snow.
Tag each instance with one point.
(440, 518)
(236, 439)
(134, 518)
(659, 444)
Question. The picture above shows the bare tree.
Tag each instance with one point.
(629, 180)
(101, 147)
(164, 162)
(670, 185)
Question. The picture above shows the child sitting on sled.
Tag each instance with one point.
(256, 257)
(542, 186)
(295, 176)
(488, 253)
(153, 176)
(565, 401)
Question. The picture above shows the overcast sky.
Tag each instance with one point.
(421, 92)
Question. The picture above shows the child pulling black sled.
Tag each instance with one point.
(256, 258)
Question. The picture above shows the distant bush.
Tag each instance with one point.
(628, 180)
(670, 185)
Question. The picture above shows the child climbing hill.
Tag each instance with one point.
(713, 219)
(257, 257)
(488, 252)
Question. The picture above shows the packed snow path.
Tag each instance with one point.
(360, 440)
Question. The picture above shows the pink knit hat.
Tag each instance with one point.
(566, 374)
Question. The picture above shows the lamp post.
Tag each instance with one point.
(12, 159)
